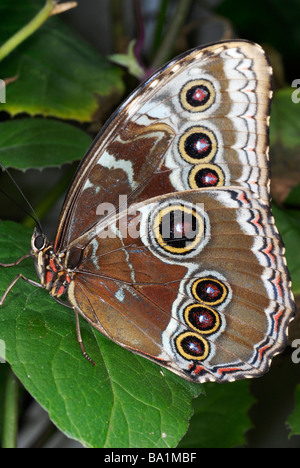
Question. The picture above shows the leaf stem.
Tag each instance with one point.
(171, 35)
(10, 422)
(161, 20)
(49, 8)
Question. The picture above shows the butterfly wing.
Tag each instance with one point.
(210, 307)
(213, 305)
(200, 121)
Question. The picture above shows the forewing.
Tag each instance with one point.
(200, 121)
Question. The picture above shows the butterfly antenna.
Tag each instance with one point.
(34, 216)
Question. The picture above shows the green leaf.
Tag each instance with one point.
(56, 73)
(293, 198)
(294, 418)
(288, 223)
(285, 121)
(220, 419)
(285, 143)
(122, 401)
(129, 61)
(38, 143)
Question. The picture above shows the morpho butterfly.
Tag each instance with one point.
(166, 242)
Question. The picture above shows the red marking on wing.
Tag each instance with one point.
(256, 220)
(243, 198)
(268, 251)
(223, 370)
(277, 282)
(198, 369)
(277, 317)
(199, 94)
(262, 350)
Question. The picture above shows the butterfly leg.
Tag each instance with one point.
(8, 265)
(20, 276)
(79, 339)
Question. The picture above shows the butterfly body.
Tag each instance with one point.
(166, 242)
(51, 271)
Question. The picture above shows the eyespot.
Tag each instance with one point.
(198, 144)
(178, 229)
(197, 95)
(192, 346)
(202, 318)
(208, 175)
(209, 291)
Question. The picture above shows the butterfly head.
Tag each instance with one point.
(41, 251)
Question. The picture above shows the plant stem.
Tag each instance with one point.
(172, 33)
(119, 36)
(50, 8)
(10, 420)
(27, 30)
(161, 19)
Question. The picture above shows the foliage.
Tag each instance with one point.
(57, 86)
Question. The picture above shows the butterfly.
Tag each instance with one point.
(166, 242)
